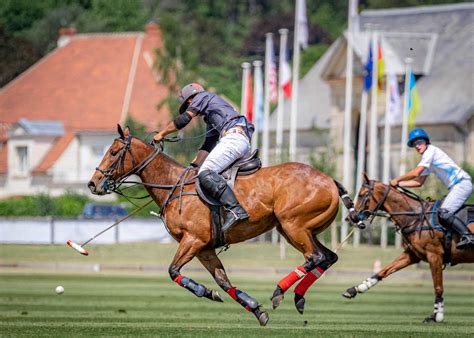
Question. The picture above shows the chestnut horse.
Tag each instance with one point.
(423, 240)
(296, 199)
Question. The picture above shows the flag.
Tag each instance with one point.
(394, 104)
(368, 70)
(285, 81)
(380, 67)
(272, 76)
(413, 101)
(249, 97)
(258, 99)
(302, 24)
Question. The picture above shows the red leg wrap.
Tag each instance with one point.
(308, 280)
(178, 280)
(232, 292)
(292, 278)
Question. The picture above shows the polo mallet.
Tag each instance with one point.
(80, 248)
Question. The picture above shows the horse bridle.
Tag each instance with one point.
(365, 214)
(110, 184)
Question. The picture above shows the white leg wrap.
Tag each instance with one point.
(439, 311)
(367, 284)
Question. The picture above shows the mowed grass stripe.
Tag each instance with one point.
(93, 305)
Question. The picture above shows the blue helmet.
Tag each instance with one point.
(416, 134)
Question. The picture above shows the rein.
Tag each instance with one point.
(113, 185)
(405, 230)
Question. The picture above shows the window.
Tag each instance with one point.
(22, 160)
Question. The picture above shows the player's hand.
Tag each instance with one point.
(158, 137)
(394, 182)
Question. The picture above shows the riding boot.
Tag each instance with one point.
(218, 188)
(467, 238)
(235, 212)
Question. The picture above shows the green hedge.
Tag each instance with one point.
(67, 205)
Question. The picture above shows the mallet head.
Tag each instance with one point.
(78, 248)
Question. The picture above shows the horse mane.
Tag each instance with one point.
(410, 194)
(166, 156)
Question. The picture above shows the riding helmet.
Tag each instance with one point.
(186, 93)
(415, 134)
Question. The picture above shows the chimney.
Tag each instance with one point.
(65, 34)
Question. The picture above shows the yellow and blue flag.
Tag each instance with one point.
(413, 101)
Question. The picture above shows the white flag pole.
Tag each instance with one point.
(362, 138)
(280, 112)
(294, 85)
(347, 163)
(404, 137)
(386, 154)
(257, 92)
(373, 110)
(266, 105)
(245, 80)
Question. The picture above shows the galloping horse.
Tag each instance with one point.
(423, 240)
(296, 199)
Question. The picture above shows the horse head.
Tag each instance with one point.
(371, 196)
(118, 163)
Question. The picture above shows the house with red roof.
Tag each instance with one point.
(58, 118)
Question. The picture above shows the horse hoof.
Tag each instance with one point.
(216, 297)
(276, 301)
(277, 297)
(262, 317)
(430, 319)
(299, 303)
(350, 293)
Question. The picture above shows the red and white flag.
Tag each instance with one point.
(272, 77)
(285, 80)
(249, 97)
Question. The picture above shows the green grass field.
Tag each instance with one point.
(148, 303)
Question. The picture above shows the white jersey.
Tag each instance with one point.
(436, 161)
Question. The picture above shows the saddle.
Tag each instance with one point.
(245, 167)
(465, 213)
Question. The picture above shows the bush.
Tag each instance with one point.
(67, 205)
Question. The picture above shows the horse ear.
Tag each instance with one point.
(120, 131)
(366, 178)
(127, 131)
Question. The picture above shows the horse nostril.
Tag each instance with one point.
(91, 186)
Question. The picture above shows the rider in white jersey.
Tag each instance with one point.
(459, 183)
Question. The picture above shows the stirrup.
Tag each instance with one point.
(466, 242)
(233, 219)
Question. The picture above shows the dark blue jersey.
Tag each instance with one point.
(219, 116)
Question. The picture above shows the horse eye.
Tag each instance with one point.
(113, 152)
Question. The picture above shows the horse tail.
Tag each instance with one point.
(348, 203)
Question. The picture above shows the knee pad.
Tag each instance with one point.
(212, 182)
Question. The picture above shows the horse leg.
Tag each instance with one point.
(303, 242)
(436, 266)
(402, 261)
(188, 248)
(212, 263)
(313, 276)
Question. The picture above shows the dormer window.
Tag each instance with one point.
(22, 165)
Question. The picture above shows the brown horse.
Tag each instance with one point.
(297, 199)
(423, 240)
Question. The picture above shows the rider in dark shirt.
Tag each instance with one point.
(227, 141)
